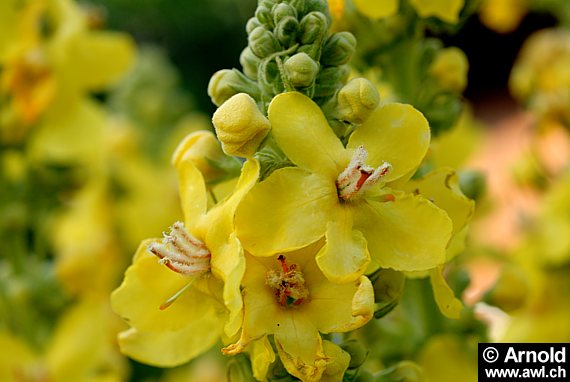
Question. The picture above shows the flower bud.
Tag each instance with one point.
(356, 101)
(330, 80)
(472, 184)
(201, 148)
(299, 6)
(338, 49)
(263, 15)
(301, 70)
(239, 370)
(227, 83)
(240, 125)
(388, 288)
(404, 371)
(249, 62)
(358, 353)
(510, 291)
(312, 26)
(262, 42)
(282, 10)
(252, 23)
(450, 69)
(286, 31)
(316, 6)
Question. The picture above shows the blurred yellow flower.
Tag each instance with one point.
(446, 10)
(503, 16)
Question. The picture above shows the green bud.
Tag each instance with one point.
(299, 5)
(301, 70)
(286, 31)
(330, 80)
(239, 370)
(388, 288)
(338, 49)
(249, 62)
(405, 371)
(316, 6)
(358, 353)
(226, 83)
(356, 101)
(268, 3)
(312, 26)
(472, 183)
(263, 15)
(262, 42)
(282, 10)
(252, 23)
(364, 376)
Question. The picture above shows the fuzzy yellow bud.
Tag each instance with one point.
(450, 69)
(301, 70)
(201, 148)
(356, 101)
(240, 125)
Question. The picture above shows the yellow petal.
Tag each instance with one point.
(409, 233)
(303, 133)
(336, 308)
(262, 356)
(172, 348)
(193, 194)
(97, 59)
(300, 347)
(200, 148)
(337, 362)
(394, 133)
(228, 262)
(147, 285)
(448, 304)
(375, 9)
(15, 355)
(285, 212)
(447, 10)
(344, 257)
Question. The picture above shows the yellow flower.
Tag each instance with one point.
(450, 69)
(195, 284)
(503, 16)
(446, 10)
(348, 195)
(80, 349)
(288, 296)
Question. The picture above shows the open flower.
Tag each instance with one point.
(446, 10)
(288, 296)
(180, 305)
(346, 194)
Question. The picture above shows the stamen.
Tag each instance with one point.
(175, 296)
(288, 283)
(182, 252)
(358, 175)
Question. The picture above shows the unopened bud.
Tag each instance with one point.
(262, 42)
(510, 290)
(252, 23)
(301, 70)
(338, 49)
(227, 83)
(286, 30)
(316, 6)
(263, 15)
(358, 353)
(472, 183)
(357, 100)
(330, 80)
(312, 26)
(388, 288)
(201, 148)
(249, 63)
(450, 69)
(240, 125)
(239, 370)
(282, 10)
(299, 5)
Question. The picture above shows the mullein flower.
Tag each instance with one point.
(288, 296)
(503, 16)
(446, 10)
(182, 292)
(349, 195)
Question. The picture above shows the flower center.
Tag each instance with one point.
(288, 283)
(358, 176)
(182, 252)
